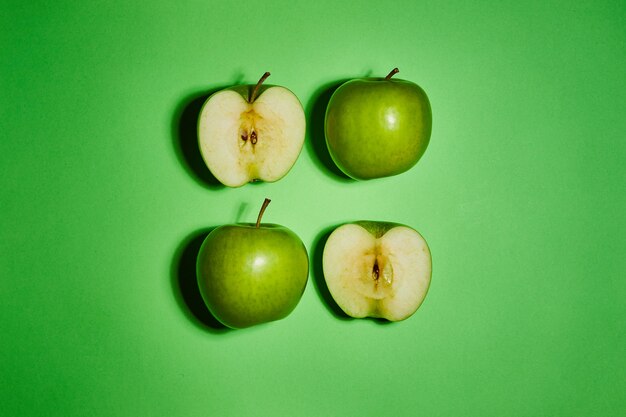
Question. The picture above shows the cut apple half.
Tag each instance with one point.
(251, 133)
(377, 269)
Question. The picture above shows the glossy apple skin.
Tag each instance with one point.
(248, 275)
(376, 127)
(376, 228)
(245, 90)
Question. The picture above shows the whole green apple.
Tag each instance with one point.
(252, 273)
(251, 133)
(377, 127)
(377, 269)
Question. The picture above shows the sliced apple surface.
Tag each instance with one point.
(377, 269)
(251, 133)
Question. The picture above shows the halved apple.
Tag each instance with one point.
(377, 269)
(251, 133)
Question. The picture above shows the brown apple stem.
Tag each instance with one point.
(392, 73)
(257, 86)
(263, 207)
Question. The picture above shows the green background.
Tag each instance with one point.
(521, 196)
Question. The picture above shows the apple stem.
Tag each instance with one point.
(257, 86)
(263, 207)
(392, 73)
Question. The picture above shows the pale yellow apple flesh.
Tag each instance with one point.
(242, 142)
(377, 276)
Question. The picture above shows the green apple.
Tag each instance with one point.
(251, 133)
(377, 269)
(252, 273)
(377, 127)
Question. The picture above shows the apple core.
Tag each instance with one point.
(377, 269)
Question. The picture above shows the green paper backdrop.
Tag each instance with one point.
(104, 201)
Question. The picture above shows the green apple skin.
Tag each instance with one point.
(249, 275)
(376, 228)
(377, 127)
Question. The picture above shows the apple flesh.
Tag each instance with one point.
(252, 273)
(377, 127)
(250, 133)
(377, 269)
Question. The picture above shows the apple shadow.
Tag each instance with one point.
(185, 138)
(316, 143)
(318, 275)
(185, 284)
